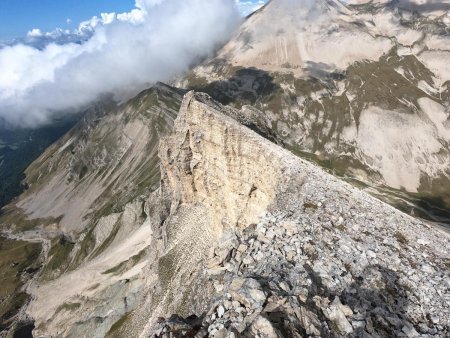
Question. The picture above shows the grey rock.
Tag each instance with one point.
(336, 316)
(220, 311)
(262, 327)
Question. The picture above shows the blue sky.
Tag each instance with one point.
(17, 17)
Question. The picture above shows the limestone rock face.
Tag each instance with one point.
(211, 160)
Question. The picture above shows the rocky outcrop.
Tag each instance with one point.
(211, 159)
(294, 251)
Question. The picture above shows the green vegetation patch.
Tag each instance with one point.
(69, 307)
(58, 258)
(401, 238)
(21, 148)
(117, 330)
(167, 266)
(85, 249)
(19, 261)
(14, 218)
(126, 265)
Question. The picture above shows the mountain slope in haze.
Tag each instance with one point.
(84, 195)
(20, 147)
(107, 160)
(362, 88)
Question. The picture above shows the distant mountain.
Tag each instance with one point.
(58, 37)
(363, 89)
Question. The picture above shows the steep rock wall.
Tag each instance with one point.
(211, 160)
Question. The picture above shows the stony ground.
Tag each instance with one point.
(322, 276)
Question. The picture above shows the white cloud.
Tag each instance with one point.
(124, 53)
(35, 32)
(248, 7)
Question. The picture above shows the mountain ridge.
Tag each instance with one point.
(179, 213)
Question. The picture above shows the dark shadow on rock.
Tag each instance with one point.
(23, 329)
(377, 300)
(245, 86)
(258, 88)
(374, 305)
(437, 209)
(429, 6)
(179, 327)
(324, 71)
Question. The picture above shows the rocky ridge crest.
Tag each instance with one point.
(300, 253)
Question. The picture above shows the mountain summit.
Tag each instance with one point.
(310, 34)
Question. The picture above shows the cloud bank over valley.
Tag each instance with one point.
(114, 53)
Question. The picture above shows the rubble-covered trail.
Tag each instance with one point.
(322, 278)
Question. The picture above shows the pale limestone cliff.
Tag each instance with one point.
(211, 159)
